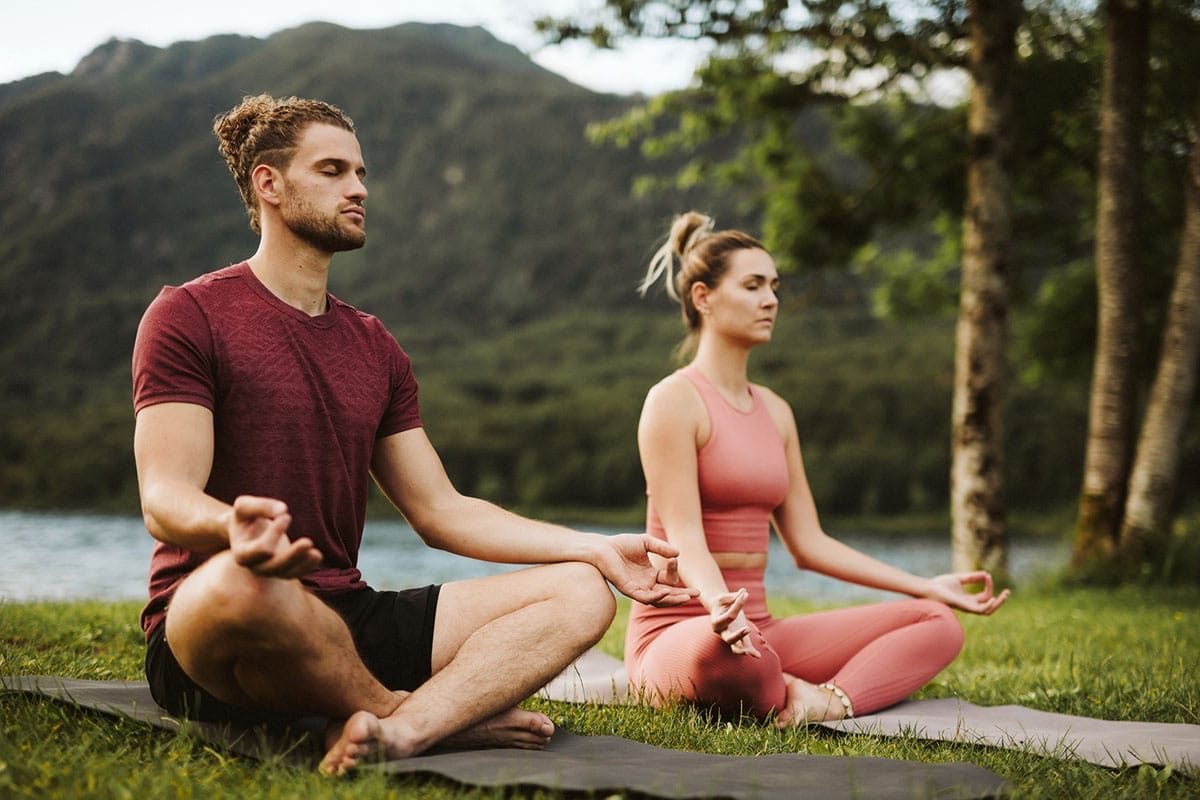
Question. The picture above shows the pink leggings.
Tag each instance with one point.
(877, 654)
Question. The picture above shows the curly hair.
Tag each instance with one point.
(264, 130)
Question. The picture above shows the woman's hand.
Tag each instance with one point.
(730, 623)
(950, 589)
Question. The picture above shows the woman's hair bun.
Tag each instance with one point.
(686, 231)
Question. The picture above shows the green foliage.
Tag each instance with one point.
(489, 209)
(906, 283)
(504, 250)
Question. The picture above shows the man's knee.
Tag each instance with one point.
(582, 589)
(224, 594)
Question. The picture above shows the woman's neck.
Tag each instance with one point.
(725, 365)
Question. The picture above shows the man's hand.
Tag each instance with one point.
(625, 561)
(259, 542)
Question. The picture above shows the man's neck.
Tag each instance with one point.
(297, 275)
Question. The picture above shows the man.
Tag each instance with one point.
(264, 407)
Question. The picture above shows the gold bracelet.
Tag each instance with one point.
(840, 695)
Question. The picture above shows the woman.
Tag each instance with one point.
(722, 463)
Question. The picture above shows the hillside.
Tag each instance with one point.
(503, 251)
(482, 185)
(488, 209)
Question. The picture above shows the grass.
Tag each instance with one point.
(1131, 654)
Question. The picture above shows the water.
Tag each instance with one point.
(66, 556)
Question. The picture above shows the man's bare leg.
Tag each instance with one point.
(269, 643)
(496, 641)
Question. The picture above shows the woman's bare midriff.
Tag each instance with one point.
(741, 560)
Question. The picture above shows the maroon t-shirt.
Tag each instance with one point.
(298, 403)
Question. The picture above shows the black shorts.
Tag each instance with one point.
(393, 632)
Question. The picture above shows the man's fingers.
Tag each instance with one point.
(669, 574)
(669, 597)
(659, 546)
(285, 560)
(248, 507)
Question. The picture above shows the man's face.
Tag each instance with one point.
(323, 191)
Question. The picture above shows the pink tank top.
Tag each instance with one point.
(742, 472)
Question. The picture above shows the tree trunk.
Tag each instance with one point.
(1156, 469)
(1118, 187)
(979, 539)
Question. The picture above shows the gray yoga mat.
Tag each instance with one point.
(596, 764)
(600, 678)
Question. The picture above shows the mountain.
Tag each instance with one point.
(488, 205)
(489, 208)
(503, 250)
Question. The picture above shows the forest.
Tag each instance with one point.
(513, 212)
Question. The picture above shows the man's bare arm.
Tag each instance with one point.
(173, 449)
(410, 472)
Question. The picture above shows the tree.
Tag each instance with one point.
(977, 504)
(810, 213)
(1118, 191)
(1152, 487)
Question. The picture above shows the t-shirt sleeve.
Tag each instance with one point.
(404, 409)
(173, 353)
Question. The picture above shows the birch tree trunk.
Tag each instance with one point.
(978, 538)
(1155, 476)
(1118, 187)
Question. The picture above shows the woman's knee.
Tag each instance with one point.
(950, 630)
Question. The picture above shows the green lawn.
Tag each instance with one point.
(1115, 654)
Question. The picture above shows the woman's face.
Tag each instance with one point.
(744, 303)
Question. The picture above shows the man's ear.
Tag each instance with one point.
(266, 181)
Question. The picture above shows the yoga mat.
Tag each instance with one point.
(598, 764)
(600, 678)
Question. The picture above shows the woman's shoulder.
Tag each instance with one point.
(769, 395)
(779, 409)
(675, 397)
(674, 387)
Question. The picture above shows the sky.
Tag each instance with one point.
(53, 35)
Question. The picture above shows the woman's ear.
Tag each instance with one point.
(699, 293)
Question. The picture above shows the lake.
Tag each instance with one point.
(69, 556)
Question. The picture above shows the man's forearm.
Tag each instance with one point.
(181, 514)
(478, 529)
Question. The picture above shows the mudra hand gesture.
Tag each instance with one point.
(730, 623)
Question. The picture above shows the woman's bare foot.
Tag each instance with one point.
(365, 736)
(808, 703)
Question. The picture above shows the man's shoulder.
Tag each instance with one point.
(357, 315)
(217, 279)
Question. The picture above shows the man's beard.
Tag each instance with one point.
(318, 230)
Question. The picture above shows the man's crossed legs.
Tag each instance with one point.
(269, 643)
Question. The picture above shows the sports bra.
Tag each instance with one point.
(742, 472)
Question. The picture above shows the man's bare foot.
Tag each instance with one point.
(526, 730)
(808, 703)
(365, 736)
(359, 738)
